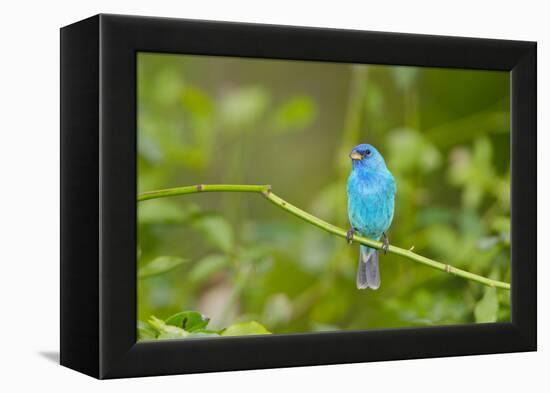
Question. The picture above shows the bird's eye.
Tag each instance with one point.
(368, 152)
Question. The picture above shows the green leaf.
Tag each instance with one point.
(166, 331)
(196, 101)
(216, 230)
(244, 329)
(487, 308)
(160, 265)
(294, 114)
(192, 324)
(207, 331)
(204, 333)
(207, 266)
(242, 107)
(410, 151)
(188, 320)
(145, 331)
(168, 84)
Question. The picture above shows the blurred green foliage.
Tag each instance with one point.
(192, 324)
(236, 259)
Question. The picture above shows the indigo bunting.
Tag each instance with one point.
(371, 193)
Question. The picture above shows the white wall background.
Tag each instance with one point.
(29, 184)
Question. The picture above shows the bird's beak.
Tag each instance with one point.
(355, 156)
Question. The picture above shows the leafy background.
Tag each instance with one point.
(241, 265)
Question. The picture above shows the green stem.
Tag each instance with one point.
(266, 191)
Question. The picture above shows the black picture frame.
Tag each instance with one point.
(98, 195)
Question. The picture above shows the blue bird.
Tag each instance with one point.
(371, 194)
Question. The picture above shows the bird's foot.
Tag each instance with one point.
(349, 235)
(385, 244)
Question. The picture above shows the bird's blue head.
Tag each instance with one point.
(365, 157)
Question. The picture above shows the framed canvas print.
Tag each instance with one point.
(239, 196)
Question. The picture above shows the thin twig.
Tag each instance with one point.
(266, 191)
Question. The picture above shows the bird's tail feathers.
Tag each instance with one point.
(368, 274)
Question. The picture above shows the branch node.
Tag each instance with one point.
(267, 191)
(448, 268)
(199, 187)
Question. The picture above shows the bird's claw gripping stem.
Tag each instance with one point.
(349, 235)
(386, 244)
